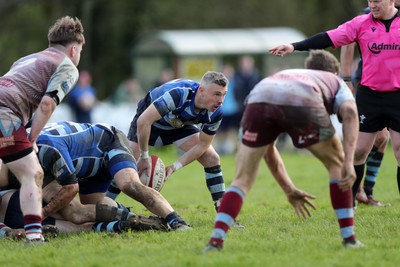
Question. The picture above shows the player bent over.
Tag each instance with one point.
(298, 102)
(31, 90)
(85, 158)
(185, 113)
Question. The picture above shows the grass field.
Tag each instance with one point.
(273, 236)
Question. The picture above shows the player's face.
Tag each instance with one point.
(380, 9)
(214, 96)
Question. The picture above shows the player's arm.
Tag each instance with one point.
(346, 63)
(59, 163)
(297, 198)
(42, 115)
(59, 85)
(60, 200)
(144, 122)
(350, 126)
(75, 211)
(191, 155)
(317, 41)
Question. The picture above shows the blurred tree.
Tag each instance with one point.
(111, 27)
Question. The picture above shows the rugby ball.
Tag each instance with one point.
(157, 174)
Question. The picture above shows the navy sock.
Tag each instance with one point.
(215, 183)
(114, 226)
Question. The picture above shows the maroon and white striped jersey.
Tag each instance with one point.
(49, 72)
(302, 88)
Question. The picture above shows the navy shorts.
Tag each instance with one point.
(14, 218)
(118, 157)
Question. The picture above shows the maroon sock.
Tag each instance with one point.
(343, 206)
(33, 224)
(229, 209)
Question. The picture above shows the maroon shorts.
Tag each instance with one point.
(14, 143)
(262, 123)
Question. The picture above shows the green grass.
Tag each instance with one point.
(273, 236)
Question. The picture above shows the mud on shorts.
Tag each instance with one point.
(262, 123)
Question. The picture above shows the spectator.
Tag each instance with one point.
(166, 75)
(245, 78)
(82, 98)
(227, 135)
(129, 91)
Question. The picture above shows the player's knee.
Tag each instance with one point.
(210, 158)
(360, 154)
(381, 141)
(132, 188)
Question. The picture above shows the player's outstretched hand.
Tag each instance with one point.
(281, 50)
(300, 201)
(144, 165)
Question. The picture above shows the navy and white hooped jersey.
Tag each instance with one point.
(174, 101)
(75, 151)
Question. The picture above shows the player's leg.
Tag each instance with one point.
(128, 181)
(5, 230)
(373, 165)
(30, 174)
(212, 167)
(247, 166)
(330, 153)
(365, 142)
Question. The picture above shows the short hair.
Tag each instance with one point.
(65, 31)
(214, 77)
(322, 60)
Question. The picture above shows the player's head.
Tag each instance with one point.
(212, 90)
(68, 32)
(322, 60)
(214, 77)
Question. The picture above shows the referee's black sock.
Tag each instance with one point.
(359, 169)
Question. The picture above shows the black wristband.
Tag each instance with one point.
(346, 79)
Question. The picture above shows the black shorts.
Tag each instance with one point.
(377, 110)
(262, 123)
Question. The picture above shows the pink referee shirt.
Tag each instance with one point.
(380, 50)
